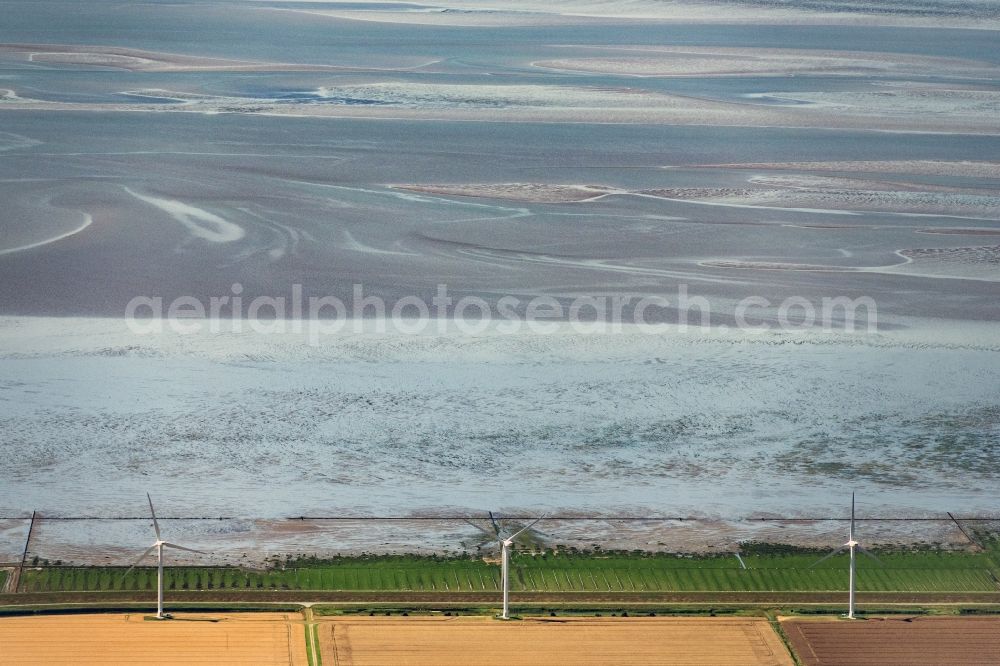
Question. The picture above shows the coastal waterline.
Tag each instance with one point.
(496, 174)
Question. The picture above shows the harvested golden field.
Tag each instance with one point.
(460, 641)
(922, 641)
(267, 639)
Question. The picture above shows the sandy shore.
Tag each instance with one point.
(138, 60)
(524, 192)
(916, 167)
(667, 61)
(560, 104)
(251, 543)
(483, 13)
(799, 191)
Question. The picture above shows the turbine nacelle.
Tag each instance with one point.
(505, 543)
(159, 545)
(851, 546)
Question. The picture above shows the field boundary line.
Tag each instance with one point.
(573, 518)
(313, 656)
(24, 554)
(786, 640)
(309, 656)
(317, 650)
(778, 630)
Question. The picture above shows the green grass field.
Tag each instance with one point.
(911, 572)
(377, 573)
(920, 571)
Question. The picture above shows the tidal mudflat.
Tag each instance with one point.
(559, 150)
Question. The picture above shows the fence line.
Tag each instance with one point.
(968, 536)
(24, 555)
(948, 517)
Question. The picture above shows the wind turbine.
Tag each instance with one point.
(852, 545)
(505, 542)
(158, 546)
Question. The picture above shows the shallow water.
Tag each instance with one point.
(181, 182)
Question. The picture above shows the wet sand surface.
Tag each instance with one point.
(817, 151)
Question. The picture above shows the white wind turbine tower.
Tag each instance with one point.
(851, 545)
(158, 546)
(505, 542)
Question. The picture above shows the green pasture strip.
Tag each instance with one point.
(911, 571)
(316, 651)
(309, 645)
(792, 571)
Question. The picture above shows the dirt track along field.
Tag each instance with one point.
(459, 641)
(264, 639)
(922, 641)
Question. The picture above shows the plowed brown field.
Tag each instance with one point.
(460, 641)
(267, 639)
(924, 641)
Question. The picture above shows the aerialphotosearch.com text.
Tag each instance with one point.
(319, 316)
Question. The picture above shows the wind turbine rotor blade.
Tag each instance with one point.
(496, 523)
(156, 525)
(871, 555)
(167, 544)
(852, 515)
(144, 555)
(828, 556)
(526, 527)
